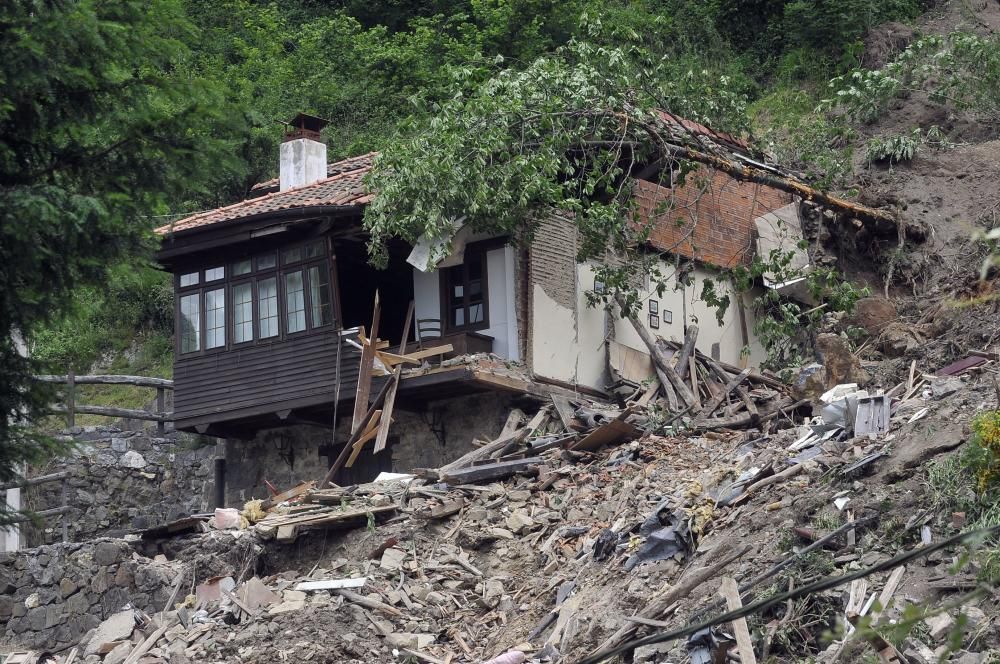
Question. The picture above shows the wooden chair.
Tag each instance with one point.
(428, 329)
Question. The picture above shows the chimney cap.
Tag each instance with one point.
(304, 125)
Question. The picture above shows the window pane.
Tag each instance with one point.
(319, 294)
(242, 313)
(314, 250)
(267, 307)
(243, 267)
(458, 316)
(189, 279)
(266, 262)
(215, 273)
(190, 323)
(295, 301)
(475, 313)
(291, 255)
(215, 318)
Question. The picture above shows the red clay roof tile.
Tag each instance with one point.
(345, 187)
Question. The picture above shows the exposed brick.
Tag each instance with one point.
(553, 259)
(709, 218)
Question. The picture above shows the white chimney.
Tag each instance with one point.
(303, 153)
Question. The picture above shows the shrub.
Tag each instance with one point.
(894, 148)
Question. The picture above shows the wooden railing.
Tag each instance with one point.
(55, 511)
(71, 408)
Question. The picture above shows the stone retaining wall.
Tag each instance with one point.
(52, 595)
(123, 480)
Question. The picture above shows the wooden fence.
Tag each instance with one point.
(69, 406)
(55, 511)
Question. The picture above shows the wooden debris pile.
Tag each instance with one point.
(704, 393)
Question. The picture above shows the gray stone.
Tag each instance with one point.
(36, 619)
(78, 604)
(118, 653)
(6, 607)
(119, 444)
(67, 587)
(117, 627)
(132, 459)
(53, 615)
(108, 553)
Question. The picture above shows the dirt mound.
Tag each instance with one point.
(884, 42)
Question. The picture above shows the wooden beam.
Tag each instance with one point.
(665, 372)
(390, 398)
(365, 369)
(721, 396)
(32, 481)
(346, 451)
(110, 379)
(744, 645)
(491, 471)
(371, 430)
(690, 337)
(123, 413)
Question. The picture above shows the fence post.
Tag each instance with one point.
(161, 408)
(70, 398)
(64, 517)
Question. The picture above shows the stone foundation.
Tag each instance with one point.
(427, 436)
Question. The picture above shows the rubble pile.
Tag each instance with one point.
(540, 546)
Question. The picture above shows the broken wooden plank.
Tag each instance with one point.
(364, 371)
(744, 646)
(294, 492)
(956, 368)
(349, 445)
(148, 643)
(390, 398)
(691, 580)
(719, 398)
(491, 471)
(416, 356)
(369, 432)
(483, 452)
(631, 364)
(890, 588)
(615, 431)
(684, 356)
(664, 370)
(366, 602)
(565, 411)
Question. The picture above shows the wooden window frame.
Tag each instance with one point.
(228, 282)
(475, 251)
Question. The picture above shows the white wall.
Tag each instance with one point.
(568, 345)
(500, 285)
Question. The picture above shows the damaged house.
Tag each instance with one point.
(274, 305)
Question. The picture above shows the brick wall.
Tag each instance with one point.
(709, 218)
(552, 257)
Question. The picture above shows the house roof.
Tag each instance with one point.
(343, 186)
(342, 189)
(698, 129)
(334, 168)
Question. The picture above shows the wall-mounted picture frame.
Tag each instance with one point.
(654, 306)
(668, 316)
(654, 321)
(598, 286)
